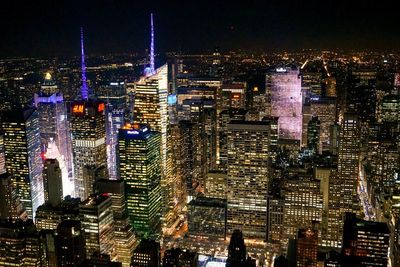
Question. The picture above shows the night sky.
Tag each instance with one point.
(51, 28)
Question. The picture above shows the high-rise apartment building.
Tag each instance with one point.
(248, 175)
(23, 158)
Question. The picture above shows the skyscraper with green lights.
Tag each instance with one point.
(140, 168)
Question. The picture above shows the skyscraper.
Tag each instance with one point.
(343, 195)
(365, 243)
(52, 182)
(125, 240)
(284, 100)
(70, 244)
(10, 206)
(88, 141)
(88, 132)
(306, 248)
(248, 176)
(55, 138)
(20, 244)
(23, 158)
(98, 225)
(140, 168)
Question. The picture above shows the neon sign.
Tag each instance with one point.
(100, 108)
(77, 108)
(133, 132)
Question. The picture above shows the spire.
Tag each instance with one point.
(152, 68)
(84, 88)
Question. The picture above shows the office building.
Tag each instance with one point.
(248, 177)
(23, 158)
(365, 243)
(88, 132)
(48, 216)
(313, 134)
(237, 253)
(306, 248)
(125, 240)
(10, 206)
(98, 225)
(140, 169)
(303, 204)
(20, 244)
(284, 100)
(147, 254)
(343, 195)
(216, 184)
(207, 218)
(55, 138)
(52, 182)
(70, 243)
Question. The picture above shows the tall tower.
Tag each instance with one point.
(88, 142)
(140, 168)
(84, 88)
(88, 131)
(343, 196)
(55, 140)
(248, 176)
(151, 108)
(22, 154)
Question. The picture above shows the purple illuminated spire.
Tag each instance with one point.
(84, 88)
(152, 68)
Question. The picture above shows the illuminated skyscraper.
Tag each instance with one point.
(303, 205)
(10, 206)
(88, 141)
(140, 168)
(2, 156)
(23, 158)
(125, 240)
(343, 195)
(20, 244)
(365, 243)
(284, 100)
(248, 176)
(98, 225)
(54, 130)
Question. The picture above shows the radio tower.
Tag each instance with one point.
(84, 88)
(152, 68)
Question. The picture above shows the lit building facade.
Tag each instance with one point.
(365, 243)
(306, 248)
(88, 141)
(303, 204)
(284, 100)
(54, 128)
(343, 195)
(140, 168)
(23, 156)
(98, 225)
(248, 176)
(151, 108)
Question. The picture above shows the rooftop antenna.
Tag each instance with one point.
(84, 88)
(152, 68)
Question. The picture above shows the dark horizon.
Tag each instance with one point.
(51, 28)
